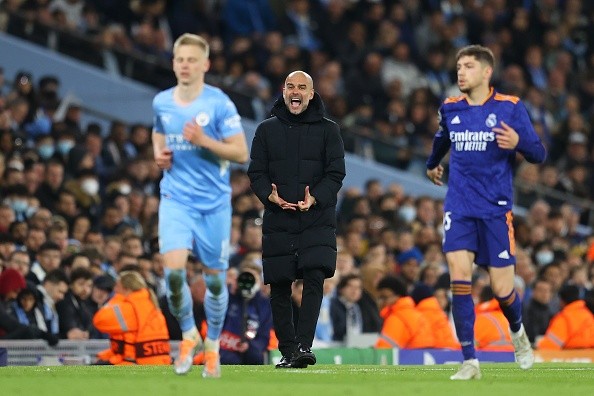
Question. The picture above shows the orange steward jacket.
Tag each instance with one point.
(438, 323)
(571, 328)
(139, 324)
(491, 328)
(404, 327)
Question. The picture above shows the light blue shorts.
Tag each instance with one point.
(207, 235)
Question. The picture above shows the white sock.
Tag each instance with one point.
(211, 345)
(193, 335)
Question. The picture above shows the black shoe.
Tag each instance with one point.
(285, 362)
(303, 357)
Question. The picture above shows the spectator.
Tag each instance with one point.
(49, 256)
(572, 327)
(537, 313)
(404, 326)
(74, 311)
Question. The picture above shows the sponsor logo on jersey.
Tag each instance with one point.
(471, 140)
(455, 120)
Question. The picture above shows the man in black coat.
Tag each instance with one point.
(296, 170)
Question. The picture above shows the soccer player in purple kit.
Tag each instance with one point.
(484, 129)
(197, 133)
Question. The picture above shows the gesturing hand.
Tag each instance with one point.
(307, 202)
(194, 134)
(507, 137)
(163, 158)
(275, 198)
(435, 175)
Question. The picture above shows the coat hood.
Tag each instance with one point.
(314, 113)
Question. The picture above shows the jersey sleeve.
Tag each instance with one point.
(441, 142)
(157, 123)
(228, 119)
(529, 145)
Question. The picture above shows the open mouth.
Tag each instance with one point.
(295, 103)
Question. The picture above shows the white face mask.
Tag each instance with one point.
(125, 189)
(544, 257)
(407, 213)
(90, 186)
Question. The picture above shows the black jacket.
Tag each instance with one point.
(295, 151)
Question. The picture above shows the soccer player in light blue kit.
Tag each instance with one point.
(197, 132)
(484, 130)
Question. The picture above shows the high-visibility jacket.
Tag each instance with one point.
(491, 328)
(142, 325)
(571, 328)
(404, 327)
(115, 353)
(439, 324)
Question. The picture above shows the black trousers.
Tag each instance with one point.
(282, 311)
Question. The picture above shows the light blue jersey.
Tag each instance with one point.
(197, 178)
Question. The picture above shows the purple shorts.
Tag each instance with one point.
(492, 240)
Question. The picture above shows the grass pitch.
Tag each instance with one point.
(320, 380)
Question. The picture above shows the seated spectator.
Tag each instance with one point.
(491, 328)
(74, 311)
(11, 328)
(573, 327)
(428, 305)
(404, 326)
(135, 324)
(537, 313)
(349, 316)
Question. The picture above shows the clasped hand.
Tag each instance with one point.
(303, 206)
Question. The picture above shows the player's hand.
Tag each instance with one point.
(435, 175)
(163, 158)
(275, 198)
(194, 134)
(507, 137)
(307, 202)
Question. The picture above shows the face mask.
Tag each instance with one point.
(46, 151)
(90, 186)
(544, 257)
(407, 213)
(65, 146)
(19, 205)
(125, 189)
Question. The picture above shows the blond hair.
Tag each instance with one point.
(133, 281)
(192, 39)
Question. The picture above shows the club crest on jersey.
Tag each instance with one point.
(202, 119)
(491, 120)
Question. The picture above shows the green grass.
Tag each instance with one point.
(321, 380)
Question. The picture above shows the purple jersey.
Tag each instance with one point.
(480, 173)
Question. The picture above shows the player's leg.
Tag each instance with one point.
(499, 235)
(175, 238)
(212, 246)
(460, 243)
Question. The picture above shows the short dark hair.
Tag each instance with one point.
(56, 276)
(482, 54)
(394, 284)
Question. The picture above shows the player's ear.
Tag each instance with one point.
(311, 94)
(206, 65)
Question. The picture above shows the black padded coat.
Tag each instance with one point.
(295, 151)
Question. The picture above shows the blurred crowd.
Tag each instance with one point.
(79, 203)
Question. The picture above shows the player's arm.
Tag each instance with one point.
(528, 143)
(441, 146)
(163, 154)
(233, 148)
